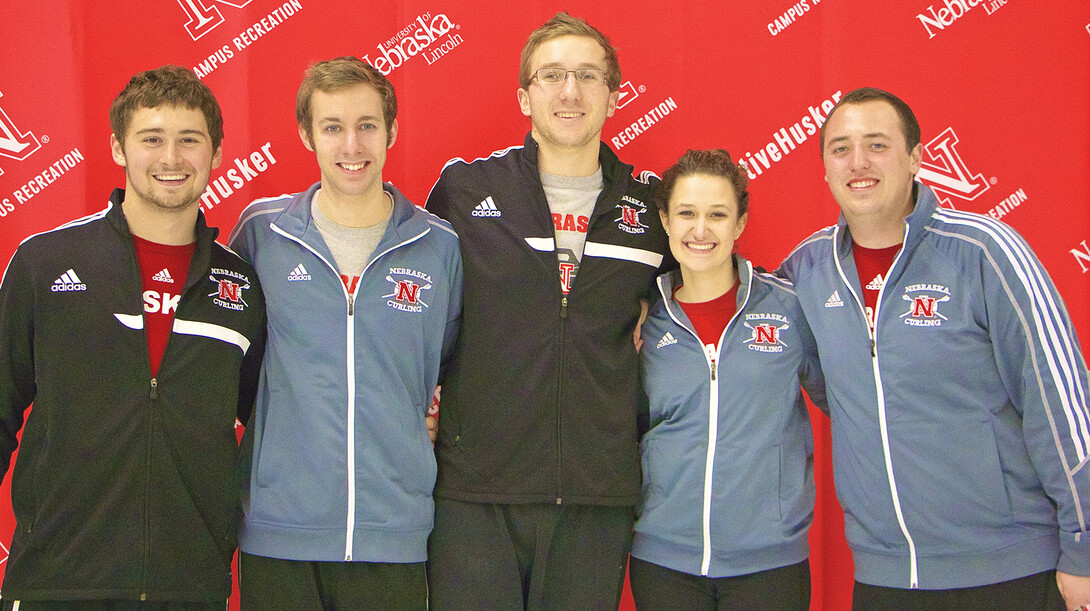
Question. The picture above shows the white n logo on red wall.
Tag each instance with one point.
(949, 174)
(13, 144)
(204, 18)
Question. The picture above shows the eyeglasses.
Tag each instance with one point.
(583, 76)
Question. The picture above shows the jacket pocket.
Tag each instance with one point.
(967, 495)
(797, 491)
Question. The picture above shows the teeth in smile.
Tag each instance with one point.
(859, 184)
(353, 166)
(701, 246)
(171, 177)
(569, 115)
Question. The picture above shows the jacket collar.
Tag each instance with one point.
(116, 216)
(926, 204)
(296, 219)
(202, 255)
(612, 166)
(672, 279)
(615, 173)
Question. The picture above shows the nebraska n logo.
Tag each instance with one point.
(230, 290)
(13, 144)
(407, 292)
(949, 173)
(203, 19)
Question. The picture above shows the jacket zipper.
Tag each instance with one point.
(350, 375)
(913, 577)
(709, 463)
(559, 401)
(713, 358)
(153, 395)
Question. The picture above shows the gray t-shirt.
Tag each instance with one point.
(352, 247)
(571, 202)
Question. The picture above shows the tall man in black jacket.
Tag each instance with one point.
(537, 449)
(138, 338)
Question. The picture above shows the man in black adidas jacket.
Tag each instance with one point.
(537, 450)
(137, 338)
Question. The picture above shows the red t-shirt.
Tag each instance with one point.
(350, 282)
(709, 318)
(163, 270)
(873, 265)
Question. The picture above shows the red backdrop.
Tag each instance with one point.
(1001, 87)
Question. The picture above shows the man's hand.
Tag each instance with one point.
(433, 427)
(636, 339)
(1075, 589)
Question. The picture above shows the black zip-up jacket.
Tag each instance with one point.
(540, 402)
(126, 486)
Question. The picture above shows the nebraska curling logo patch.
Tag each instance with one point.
(408, 286)
(229, 286)
(924, 301)
(766, 332)
(631, 209)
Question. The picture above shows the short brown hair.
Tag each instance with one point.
(910, 127)
(716, 162)
(341, 73)
(166, 86)
(563, 24)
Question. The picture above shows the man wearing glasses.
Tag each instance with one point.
(537, 449)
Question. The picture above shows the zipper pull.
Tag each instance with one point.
(351, 305)
(154, 394)
(564, 307)
(709, 350)
(873, 348)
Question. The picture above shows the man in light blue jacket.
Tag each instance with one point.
(956, 385)
(364, 292)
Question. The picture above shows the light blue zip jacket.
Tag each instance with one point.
(342, 466)
(728, 486)
(960, 429)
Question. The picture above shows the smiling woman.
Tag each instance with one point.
(727, 457)
(703, 221)
(703, 204)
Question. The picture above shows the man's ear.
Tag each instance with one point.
(305, 137)
(524, 101)
(392, 136)
(916, 156)
(117, 151)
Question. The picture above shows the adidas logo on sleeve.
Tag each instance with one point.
(68, 281)
(487, 207)
(298, 274)
(666, 340)
(834, 300)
